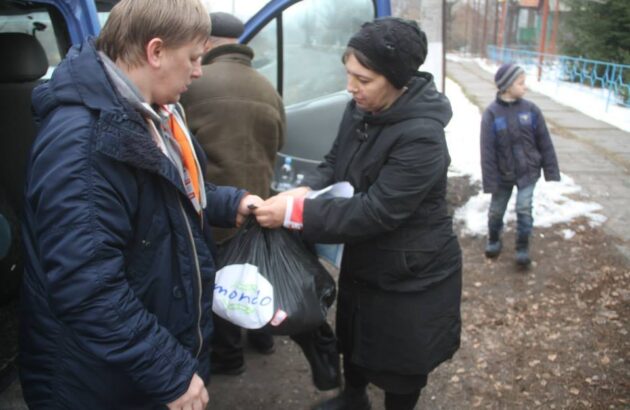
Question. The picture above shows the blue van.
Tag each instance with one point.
(297, 43)
(298, 46)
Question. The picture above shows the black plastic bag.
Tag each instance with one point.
(303, 288)
(320, 349)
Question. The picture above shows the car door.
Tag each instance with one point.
(34, 37)
(298, 46)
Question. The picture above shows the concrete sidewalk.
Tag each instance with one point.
(594, 153)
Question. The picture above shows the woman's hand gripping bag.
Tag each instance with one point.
(269, 278)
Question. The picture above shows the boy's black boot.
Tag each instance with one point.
(494, 245)
(349, 399)
(522, 251)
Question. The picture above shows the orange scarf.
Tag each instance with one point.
(188, 156)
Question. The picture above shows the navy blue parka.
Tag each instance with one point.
(515, 145)
(116, 300)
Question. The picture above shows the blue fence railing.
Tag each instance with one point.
(611, 77)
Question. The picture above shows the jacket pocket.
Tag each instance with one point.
(534, 159)
(505, 168)
(504, 155)
(145, 249)
(83, 380)
(414, 254)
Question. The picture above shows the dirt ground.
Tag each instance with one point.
(552, 337)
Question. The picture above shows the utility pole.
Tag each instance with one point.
(475, 25)
(471, 34)
(503, 24)
(554, 30)
(466, 25)
(484, 40)
(496, 23)
(543, 37)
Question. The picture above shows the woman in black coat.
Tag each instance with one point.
(398, 313)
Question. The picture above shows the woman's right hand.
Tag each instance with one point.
(270, 214)
(299, 192)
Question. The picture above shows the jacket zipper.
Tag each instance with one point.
(198, 272)
(362, 138)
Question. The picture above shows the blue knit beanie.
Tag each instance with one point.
(505, 76)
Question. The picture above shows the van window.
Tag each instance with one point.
(36, 22)
(265, 46)
(315, 34)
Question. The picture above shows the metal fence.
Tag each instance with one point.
(613, 78)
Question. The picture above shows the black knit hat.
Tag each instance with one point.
(505, 76)
(225, 25)
(396, 47)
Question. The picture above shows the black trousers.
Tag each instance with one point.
(227, 343)
(358, 378)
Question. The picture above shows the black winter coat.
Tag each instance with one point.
(515, 145)
(400, 280)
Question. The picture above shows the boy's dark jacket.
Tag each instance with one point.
(515, 145)
(116, 300)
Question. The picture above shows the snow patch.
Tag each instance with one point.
(568, 234)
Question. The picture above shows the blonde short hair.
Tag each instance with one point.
(133, 23)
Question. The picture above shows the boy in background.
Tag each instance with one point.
(515, 146)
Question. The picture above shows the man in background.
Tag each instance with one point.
(238, 117)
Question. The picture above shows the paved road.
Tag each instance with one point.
(594, 153)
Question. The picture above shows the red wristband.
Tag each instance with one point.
(294, 214)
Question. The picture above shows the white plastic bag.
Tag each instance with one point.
(243, 296)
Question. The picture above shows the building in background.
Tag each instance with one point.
(472, 25)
